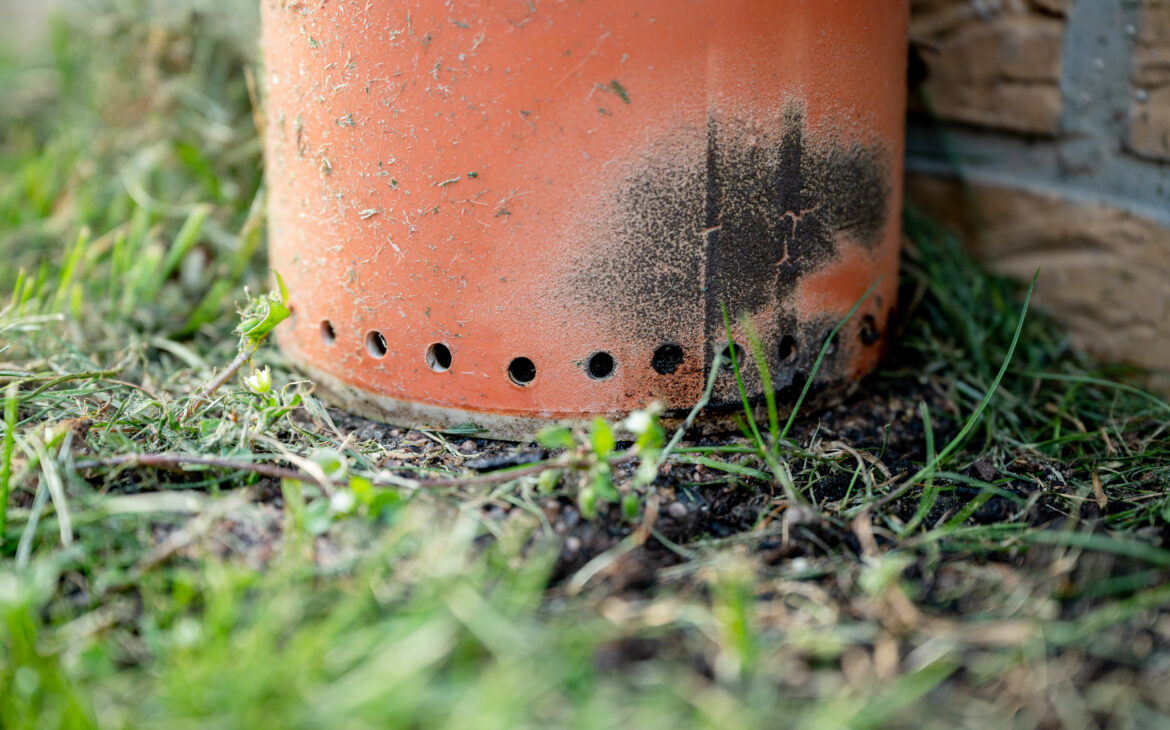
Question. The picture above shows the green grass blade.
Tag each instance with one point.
(969, 426)
(187, 237)
(1101, 543)
(930, 495)
(56, 488)
(9, 446)
(821, 358)
(724, 466)
(70, 269)
(1099, 382)
(689, 421)
(757, 346)
(732, 351)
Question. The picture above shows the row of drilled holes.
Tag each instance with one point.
(600, 365)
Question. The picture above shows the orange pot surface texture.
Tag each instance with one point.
(510, 212)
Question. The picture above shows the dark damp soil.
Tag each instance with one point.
(700, 505)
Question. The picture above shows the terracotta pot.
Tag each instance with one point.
(506, 212)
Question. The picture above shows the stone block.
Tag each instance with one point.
(1103, 271)
(993, 64)
(1149, 133)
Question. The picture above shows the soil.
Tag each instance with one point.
(695, 502)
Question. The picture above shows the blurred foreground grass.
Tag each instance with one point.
(1021, 581)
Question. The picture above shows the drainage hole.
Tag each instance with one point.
(667, 359)
(439, 357)
(376, 343)
(787, 348)
(522, 371)
(600, 365)
(869, 333)
(327, 333)
(738, 356)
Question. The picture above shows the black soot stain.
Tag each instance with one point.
(729, 221)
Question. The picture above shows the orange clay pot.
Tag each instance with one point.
(506, 212)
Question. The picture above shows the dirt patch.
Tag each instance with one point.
(697, 502)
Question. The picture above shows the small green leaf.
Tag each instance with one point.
(376, 500)
(587, 502)
(602, 439)
(331, 462)
(261, 317)
(318, 517)
(362, 488)
(603, 484)
(652, 438)
(281, 287)
(630, 506)
(647, 470)
(556, 437)
(548, 481)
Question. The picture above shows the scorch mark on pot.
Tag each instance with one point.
(728, 216)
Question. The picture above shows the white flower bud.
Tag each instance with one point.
(260, 381)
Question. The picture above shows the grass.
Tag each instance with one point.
(977, 539)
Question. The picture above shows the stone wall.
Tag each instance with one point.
(1150, 118)
(998, 69)
(1041, 128)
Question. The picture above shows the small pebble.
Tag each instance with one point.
(801, 515)
(572, 544)
(677, 510)
(468, 447)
